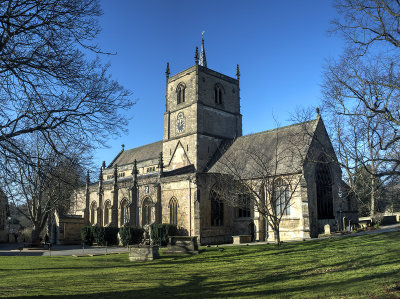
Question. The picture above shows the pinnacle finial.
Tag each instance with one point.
(134, 171)
(115, 173)
(317, 110)
(103, 165)
(203, 60)
(123, 147)
(167, 70)
(101, 176)
(87, 178)
(237, 72)
(196, 56)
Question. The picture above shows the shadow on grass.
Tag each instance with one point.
(198, 286)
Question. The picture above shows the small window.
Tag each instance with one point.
(218, 94)
(124, 212)
(173, 211)
(146, 211)
(146, 189)
(180, 93)
(217, 209)
(107, 212)
(93, 212)
(282, 197)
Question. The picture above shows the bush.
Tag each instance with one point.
(86, 235)
(130, 235)
(111, 235)
(98, 235)
(160, 232)
(105, 235)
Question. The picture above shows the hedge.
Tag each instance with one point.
(160, 232)
(86, 235)
(130, 235)
(100, 235)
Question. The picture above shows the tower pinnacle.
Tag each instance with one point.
(203, 60)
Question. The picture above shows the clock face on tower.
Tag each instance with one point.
(180, 122)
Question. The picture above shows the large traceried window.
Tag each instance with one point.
(282, 197)
(93, 212)
(146, 211)
(107, 212)
(173, 211)
(180, 93)
(217, 209)
(124, 211)
(323, 180)
(244, 209)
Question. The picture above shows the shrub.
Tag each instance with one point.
(105, 235)
(160, 232)
(86, 235)
(130, 235)
(98, 235)
(111, 235)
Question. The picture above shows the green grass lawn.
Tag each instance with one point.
(360, 267)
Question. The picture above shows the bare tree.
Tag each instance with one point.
(361, 95)
(263, 173)
(364, 83)
(39, 188)
(47, 85)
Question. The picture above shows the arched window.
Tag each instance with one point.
(281, 197)
(107, 212)
(173, 211)
(93, 210)
(124, 212)
(323, 180)
(180, 93)
(217, 209)
(218, 93)
(146, 211)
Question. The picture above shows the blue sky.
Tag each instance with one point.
(280, 46)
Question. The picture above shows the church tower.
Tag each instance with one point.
(202, 110)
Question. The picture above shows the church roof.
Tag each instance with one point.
(142, 153)
(273, 152)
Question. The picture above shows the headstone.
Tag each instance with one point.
(182, 244)
(143, 253)
(327, 229)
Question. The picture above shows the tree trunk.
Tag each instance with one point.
(35, 234)
(372, 211)
(277, 237)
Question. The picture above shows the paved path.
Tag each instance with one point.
(11, 249)
(382, 229)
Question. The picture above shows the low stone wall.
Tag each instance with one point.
(143, 253)
(183, 244)
(241, 239)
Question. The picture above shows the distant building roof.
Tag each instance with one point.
(274, 152)
(142, 153)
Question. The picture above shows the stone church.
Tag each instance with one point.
(171, 180)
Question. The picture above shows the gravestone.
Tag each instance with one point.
(183, 244)
(143, 253)
(327, 229)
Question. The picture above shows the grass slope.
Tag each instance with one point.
(360, 267)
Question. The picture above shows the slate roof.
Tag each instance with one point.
(142, 153)
(274, 152)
